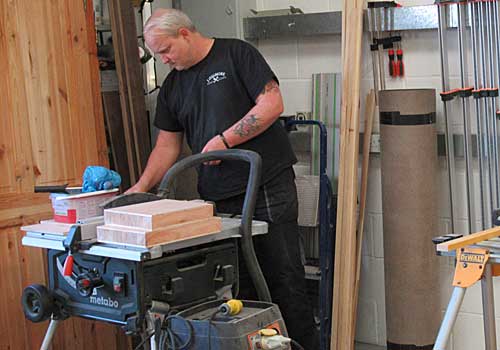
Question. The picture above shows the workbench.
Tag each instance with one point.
(477, 259)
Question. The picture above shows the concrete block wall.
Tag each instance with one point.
(294, 61)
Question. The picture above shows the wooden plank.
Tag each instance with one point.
(469, 240)
(62, 121)
(369, 116)
(59, 90)
(168, 234)
(345, 246)
(44, 123)
(157, 214)
(19, 267)
(33, 270)
(130, 84)
(79, 87)
(30, 207)
(50, 227)
(83, 334)
(12, 325)
(50, 130)
(16, 159)
(114, 121)
(116, 24)
(95, 84)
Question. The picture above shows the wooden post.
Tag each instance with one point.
(113, 116)
(369, 114)
(345, 247)
(128, 69)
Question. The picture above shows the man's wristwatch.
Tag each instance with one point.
(221, 135)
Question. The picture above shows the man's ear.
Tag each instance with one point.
(184, 32)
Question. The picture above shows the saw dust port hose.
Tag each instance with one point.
(247, 247)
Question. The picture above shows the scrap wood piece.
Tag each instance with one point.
(345, 247)
(469, 240)
(157, 214)
(169, 234)
(115, 129)
(370, 107)
(49, 227)
(133, 103)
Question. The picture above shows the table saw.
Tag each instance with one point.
(170, 294)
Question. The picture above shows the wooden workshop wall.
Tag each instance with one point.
(51, 128)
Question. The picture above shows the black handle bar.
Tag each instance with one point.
(248, 205)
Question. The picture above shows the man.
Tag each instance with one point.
(222, 94)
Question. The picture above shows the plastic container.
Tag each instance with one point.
(69, 208)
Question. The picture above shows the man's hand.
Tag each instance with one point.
(136, 188)
(215, 144)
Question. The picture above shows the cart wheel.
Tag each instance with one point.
(37, 303)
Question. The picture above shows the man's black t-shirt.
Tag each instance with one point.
(210, 97)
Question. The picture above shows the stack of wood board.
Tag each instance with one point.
(343, 310)
(159, 222)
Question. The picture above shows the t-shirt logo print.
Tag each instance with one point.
(216, 77)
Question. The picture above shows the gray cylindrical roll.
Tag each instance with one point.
(409, 184)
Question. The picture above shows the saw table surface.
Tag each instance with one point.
(230, 229)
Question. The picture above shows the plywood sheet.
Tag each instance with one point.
(173, 233)
(153, 215)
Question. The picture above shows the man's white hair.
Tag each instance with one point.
(167, 22)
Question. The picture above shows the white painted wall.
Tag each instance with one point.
(294, 61)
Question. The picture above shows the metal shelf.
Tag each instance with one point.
(328, 23)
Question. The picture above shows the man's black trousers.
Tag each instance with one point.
(278, 253)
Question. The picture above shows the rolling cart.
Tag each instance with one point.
(326, 220)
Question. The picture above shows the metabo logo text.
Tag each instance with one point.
(104, 302)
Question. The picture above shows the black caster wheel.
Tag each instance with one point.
(37, 303)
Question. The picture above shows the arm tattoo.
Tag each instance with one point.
(272, 86)
(248, 126)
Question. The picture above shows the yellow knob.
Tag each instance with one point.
(235, 306)
(268, 332)
(231, 307)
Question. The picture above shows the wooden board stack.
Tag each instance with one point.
(345, 242)
(158, 222)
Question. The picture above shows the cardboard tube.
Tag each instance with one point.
(409, 183)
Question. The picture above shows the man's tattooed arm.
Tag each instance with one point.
(247, 126)
(268, 107)
(272, 86)
(250, 124)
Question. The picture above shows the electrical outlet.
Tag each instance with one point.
(375, 143)
(303, 115)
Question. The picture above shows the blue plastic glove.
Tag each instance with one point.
(97, 178)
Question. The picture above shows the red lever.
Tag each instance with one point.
(401, 66)
(68, 266)
(392, 63)
(85, 283)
